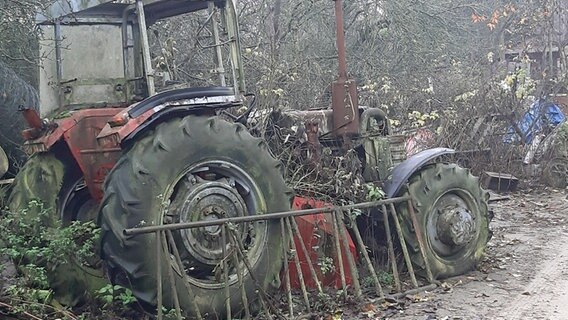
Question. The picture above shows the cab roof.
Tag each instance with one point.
(111, 11)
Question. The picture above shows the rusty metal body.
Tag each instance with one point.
(79, 133)
(76, 78)
(315, 233)
(344, 101)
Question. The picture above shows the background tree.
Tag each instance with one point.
(18, 68)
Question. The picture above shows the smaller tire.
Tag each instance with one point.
(452, 210)
(555, 173)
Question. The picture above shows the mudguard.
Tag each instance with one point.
(178, 95)
(147, 113)
(401, 173)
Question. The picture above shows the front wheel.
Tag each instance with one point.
(62, 197)
(452, 210)
(186, 170)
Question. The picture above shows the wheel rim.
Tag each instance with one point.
(78, 204)
(210, 191)
(453, 224)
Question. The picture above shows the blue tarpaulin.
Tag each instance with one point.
(540, 115)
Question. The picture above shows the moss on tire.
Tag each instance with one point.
(440, 192)
(45, 178)
(140, 191)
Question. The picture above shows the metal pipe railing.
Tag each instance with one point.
(261, 217)
(342, 225)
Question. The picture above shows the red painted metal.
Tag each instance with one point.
(317, 233)
(122, 125)
(32, 118)
(79, 131)
(112, 134)
(340, 39)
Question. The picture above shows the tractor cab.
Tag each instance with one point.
(97, 53)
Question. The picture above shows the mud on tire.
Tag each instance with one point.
(184, 167)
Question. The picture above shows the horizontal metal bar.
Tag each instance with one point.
(103, 150)
(260, 217)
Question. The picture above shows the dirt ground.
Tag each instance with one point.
(524, 274)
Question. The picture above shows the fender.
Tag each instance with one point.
(178, 95)
(127, 125)
(402, 172)
(78, 131)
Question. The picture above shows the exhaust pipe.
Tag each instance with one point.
(344, 101)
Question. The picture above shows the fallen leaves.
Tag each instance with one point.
(369, 310)
(417, 298)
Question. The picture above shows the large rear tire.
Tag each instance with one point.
(452, 210)
(192, 169)
(57, 186)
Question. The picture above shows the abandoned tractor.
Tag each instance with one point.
(120, 154)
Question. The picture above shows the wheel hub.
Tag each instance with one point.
(455, 226)
(208, 192)
(212, 214)
(208, 201)
(452, 224)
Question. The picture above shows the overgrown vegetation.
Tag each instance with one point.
(33, 250)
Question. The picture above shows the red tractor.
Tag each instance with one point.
(119, 153)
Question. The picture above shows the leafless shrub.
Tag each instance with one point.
(14, 92)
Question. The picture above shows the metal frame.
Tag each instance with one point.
(343, 225)
(133, 17)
